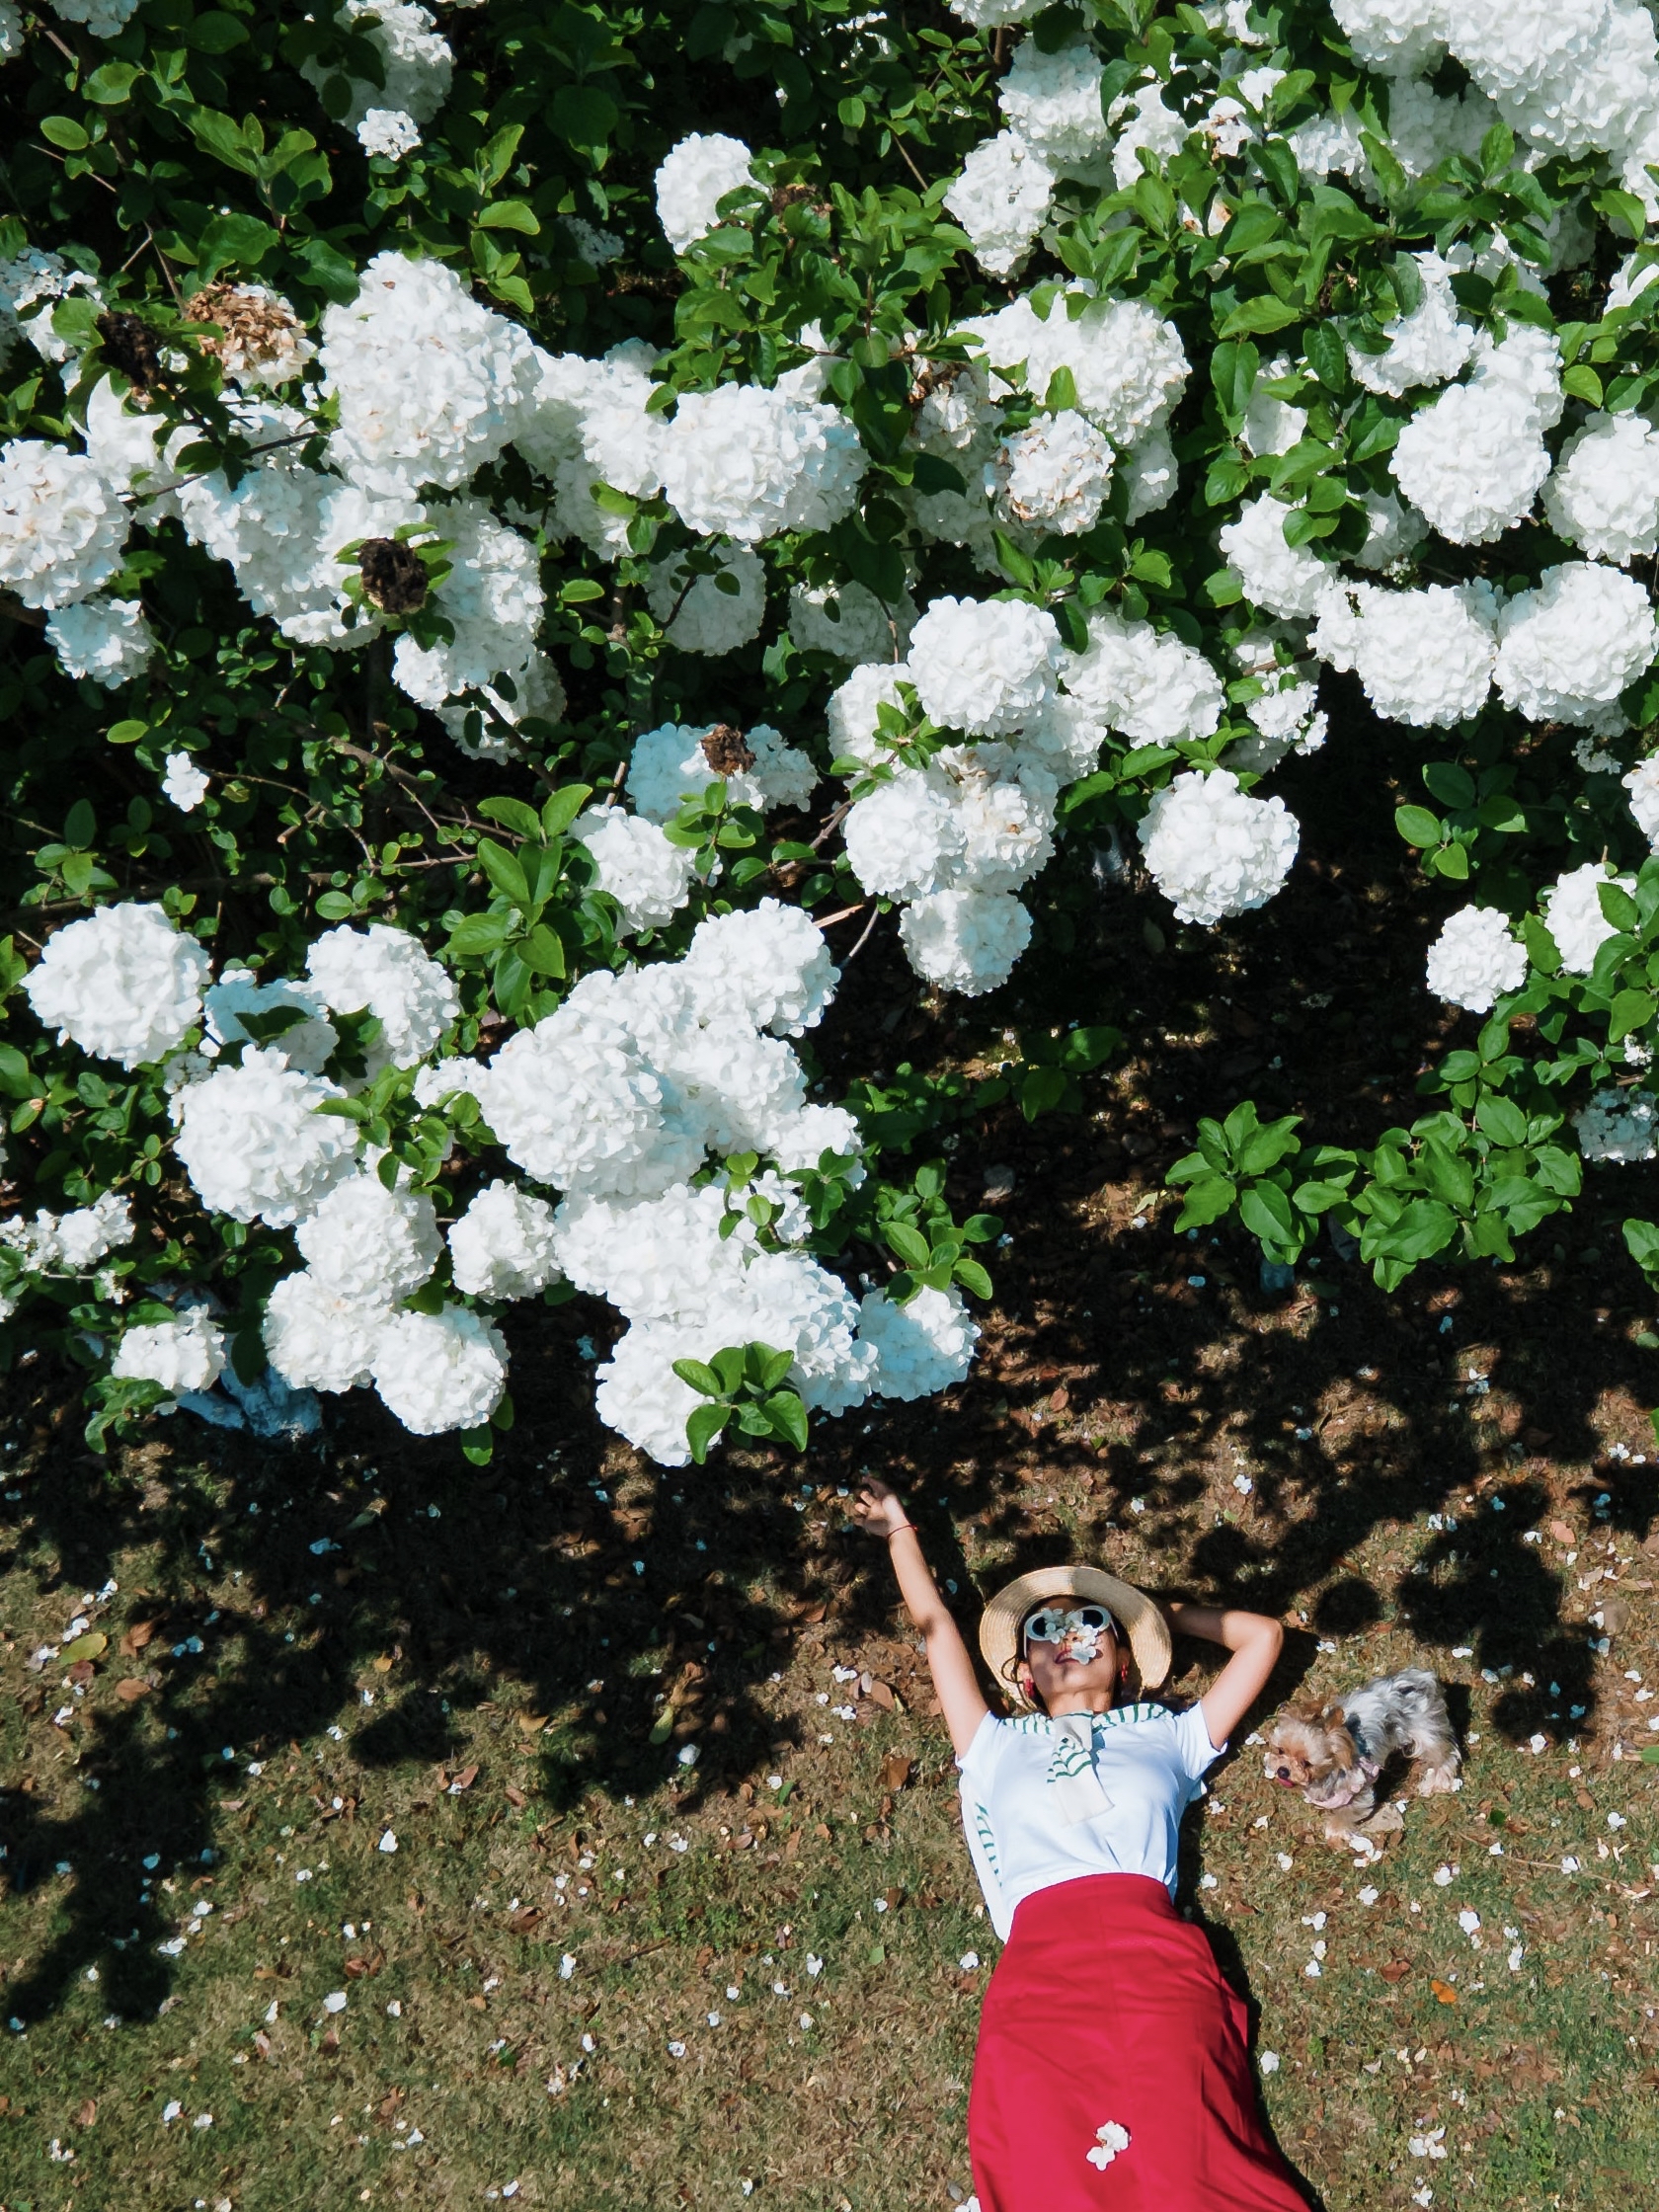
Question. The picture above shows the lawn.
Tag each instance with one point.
(590, 1974)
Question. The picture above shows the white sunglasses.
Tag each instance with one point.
(1069, 1624)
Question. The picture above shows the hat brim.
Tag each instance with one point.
(1142, 1621)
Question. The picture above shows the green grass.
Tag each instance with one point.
(847, 2089)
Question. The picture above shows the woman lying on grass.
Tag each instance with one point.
(1112, 2068)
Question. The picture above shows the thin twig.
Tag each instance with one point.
(875, 915)
(828, 920)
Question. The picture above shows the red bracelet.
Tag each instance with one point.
(902, 1525)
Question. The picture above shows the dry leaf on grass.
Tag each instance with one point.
(1444, 1992)
(896, 1770)
(515, 1796)
(131, 1690)
(87, 2113)
(90, 1646)
(1396, 1970)
(136, 1638)
(524, 1922)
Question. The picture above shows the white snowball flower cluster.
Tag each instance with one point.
(693, 179)
(61, 526)
(252, 1143)
(108, 640)
(1567, 648)
(187, 1353)
(1642, 784)
(922, 1347)
(319, 1340)
(1425, 658)
(1425, 346)
(1618, 1125)
(1125, 362)
(124, 984)
(1052, 101)
(985, 667)
(305, 1043)
(1146, 682)
(1212, 850)
(429, 384)
(768, 967)
(745, 463)
(1283, 579)
(492, 597)
(1001, 201)
(367, 1243)
(965, 940)
(1396, 37)
(1603, 494)
(184, 783)
(388, 132)
(849, 621)
(1475, 959)
(1473, 460)
(69, 1243)
(105, 18)
(438, 1372)
(503, 1247)
(415, 60)
(388, 974)
(1053, 475)
(1572, 913)
(671, 762)
(705, 614)
(643, 870)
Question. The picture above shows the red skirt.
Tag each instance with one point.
(1107, 2019)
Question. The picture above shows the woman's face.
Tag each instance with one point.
(1071, 1653)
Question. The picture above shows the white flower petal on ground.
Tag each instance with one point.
(1214, 850)
(438, 1372)
(124, 984)
(1475, 959)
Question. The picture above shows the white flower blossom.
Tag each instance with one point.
(438, 1372)
(1281, 577)
(984, 666)
(648, 875)
(1215, 851)
(1569, 647)
(252, 1143)
(305, 1043)
(745, 463)
(671, 764)
(1052, 100)
(1001, 201)
(691, 181)
(1618, 1125)
(106, 640)
(185, 1353)
(849, 621)
(965, 940)
(1144, 682)
(61, 526)
(705, 614)
(503, 1245)
(1425, 658)
(416, 64)
(388, 132)
(1603, 494)
(922, 1347)
(1572, 913)
(318, 1339)
(1053, 476)
(1475, 959)
(184, 784)
(366, 1242)
(384, 972)
(124, 984)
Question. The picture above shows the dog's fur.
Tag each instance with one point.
(1334, 1752)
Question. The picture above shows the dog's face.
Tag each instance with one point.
(1309, 1747)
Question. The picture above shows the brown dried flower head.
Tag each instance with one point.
(726, 751)
(394, 576)
(260, 331)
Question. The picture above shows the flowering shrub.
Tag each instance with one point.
(525, 533)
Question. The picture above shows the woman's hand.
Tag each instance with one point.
(877, 1507)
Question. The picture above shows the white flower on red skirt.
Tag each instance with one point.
(1108, 2142)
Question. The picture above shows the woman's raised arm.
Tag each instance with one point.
(878, 1508)
(1254, 1639)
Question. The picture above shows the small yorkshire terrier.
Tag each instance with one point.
(1334, 1752)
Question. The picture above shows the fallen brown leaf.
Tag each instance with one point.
(465, 1778)
(131, 1690)
(1396, 1970)
(532, 1723)
(880, 1694)
(87, 2113)
(357, 1968)
(522, 1923)
(895, 1771)
(383, 1665)
(262, 2042)
(1443, 1990)
(478, 2004)
(1560, 1532)
(515, 1796)
(136, 1638)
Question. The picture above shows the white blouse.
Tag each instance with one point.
(1149, 1762)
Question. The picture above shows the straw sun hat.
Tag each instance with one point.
(1132, 1608)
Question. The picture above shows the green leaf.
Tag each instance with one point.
(1618, 906)
(1419, 826)
(974, 1278)
(1062, 393)
(1581, 382)
(504, 871)
(562, 809)
(786, 1416)
(583, 115)
(1234, 366)
(80, 826)
(909, 1244)
(1261, 316)
(1451, 785)
(479, 933)
(234, 240)
(512, 814)
(703, 1424)
(110, 85)
(544, 952)
(699, 1375)
(335, 906)
(1630, 1009)
(1265, 1210)
(64, 132)
(1641, 1240)
(1209, 1199)
(1502, 1119)
(214, 33)
(509, 214)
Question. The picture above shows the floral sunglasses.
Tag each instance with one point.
(1077, 1629)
